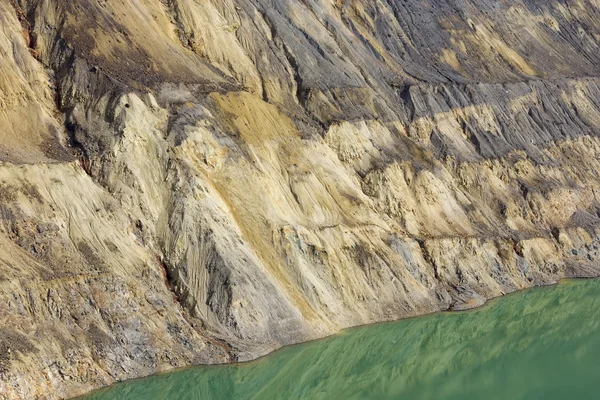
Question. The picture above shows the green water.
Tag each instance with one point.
(539, 344)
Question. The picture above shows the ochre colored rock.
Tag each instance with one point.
(186, 182)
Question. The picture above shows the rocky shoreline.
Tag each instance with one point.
(188, 183)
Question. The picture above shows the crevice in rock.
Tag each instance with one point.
(301, 94)
(428, 259)
(28, 34)
(171, 284)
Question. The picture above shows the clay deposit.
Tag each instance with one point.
(191, 182)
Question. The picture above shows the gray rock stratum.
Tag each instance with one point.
(204, 181)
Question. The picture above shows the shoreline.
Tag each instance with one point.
(488, 302)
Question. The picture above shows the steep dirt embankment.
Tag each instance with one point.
(204, 181)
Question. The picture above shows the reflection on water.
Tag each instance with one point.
(539, 344)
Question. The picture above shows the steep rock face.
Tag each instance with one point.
(204, 181)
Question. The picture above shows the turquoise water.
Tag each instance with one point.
(538, 344)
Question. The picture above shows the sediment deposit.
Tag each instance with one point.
(187, 181)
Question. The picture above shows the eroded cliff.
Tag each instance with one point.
(187, 181)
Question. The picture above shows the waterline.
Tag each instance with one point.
(540, 343)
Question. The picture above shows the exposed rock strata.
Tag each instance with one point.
(204, 181)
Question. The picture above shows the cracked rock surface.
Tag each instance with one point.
(188, 182)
